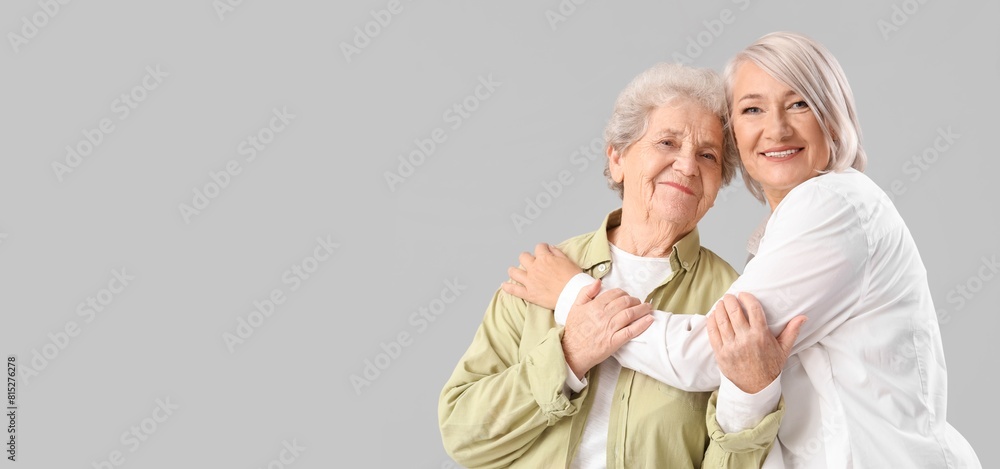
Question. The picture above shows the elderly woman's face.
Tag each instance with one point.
(674, 171)
(780, 141)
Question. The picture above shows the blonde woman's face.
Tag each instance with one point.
(780, 141)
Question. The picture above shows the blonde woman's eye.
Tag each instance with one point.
(800, 105)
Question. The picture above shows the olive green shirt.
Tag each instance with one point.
(504, 404)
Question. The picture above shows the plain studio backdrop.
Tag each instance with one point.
(214, 214)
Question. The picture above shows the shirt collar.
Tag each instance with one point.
(684, 256)
(754, 242)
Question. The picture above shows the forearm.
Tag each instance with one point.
(675, 350)
(491, 419)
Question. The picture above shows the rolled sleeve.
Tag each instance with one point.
(738, 411)
(498, 402)
(547, 373)
(749, 441)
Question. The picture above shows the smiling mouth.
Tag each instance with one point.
(679, 187)
(781, 155)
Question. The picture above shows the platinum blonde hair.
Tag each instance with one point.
(658, 86)
(813, 72)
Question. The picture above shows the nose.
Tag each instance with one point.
(686, 163)
(778, 128)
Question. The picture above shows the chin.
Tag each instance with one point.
(679, 214)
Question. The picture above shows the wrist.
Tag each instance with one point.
(566, 277)
(755, 384)
(576, 364)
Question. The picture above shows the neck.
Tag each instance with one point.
(774, 198)
(642, 236)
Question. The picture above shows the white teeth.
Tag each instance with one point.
(779, 154)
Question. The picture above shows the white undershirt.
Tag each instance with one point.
(638, 276)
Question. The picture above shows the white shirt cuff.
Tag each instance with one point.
(573, 385)
(737, 411)
(568, 296)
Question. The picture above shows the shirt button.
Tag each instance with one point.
(602, 268)
(685, 265)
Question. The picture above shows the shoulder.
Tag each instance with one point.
(844, 199)
(845, 194)
(577, 247)
(849, 187)
(712, 265)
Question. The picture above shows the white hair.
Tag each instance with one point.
(655, 87)
(809, 69)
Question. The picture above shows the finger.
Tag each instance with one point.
(755, 312)
(542, 249)
(557, 252)
(738, 318)
(713, 323)
(631, 331)
(518, 275)
(628, 315)
(589, 292)
(718, 308)
(713, 335)
(722, 320)
(621, 303)
(526, 259)
(791, 332)
(608, 296)
(515, 289)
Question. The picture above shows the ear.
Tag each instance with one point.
(615, 165)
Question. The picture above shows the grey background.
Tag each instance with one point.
(324, 176)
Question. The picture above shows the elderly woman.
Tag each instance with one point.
(866, 385)
(530, 393)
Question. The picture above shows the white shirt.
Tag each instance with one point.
(866, 386)
(639, 276)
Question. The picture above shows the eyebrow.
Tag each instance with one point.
(675, 132)
(710, 144)
(758, 96)
(668, 133)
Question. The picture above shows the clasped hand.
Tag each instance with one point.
(746, 351)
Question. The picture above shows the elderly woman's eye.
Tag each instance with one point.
(668, 143)
(751, 110)
(800, 105)
(710, 156)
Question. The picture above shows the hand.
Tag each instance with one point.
(598, 325)
(541, 277)
(746, 351)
